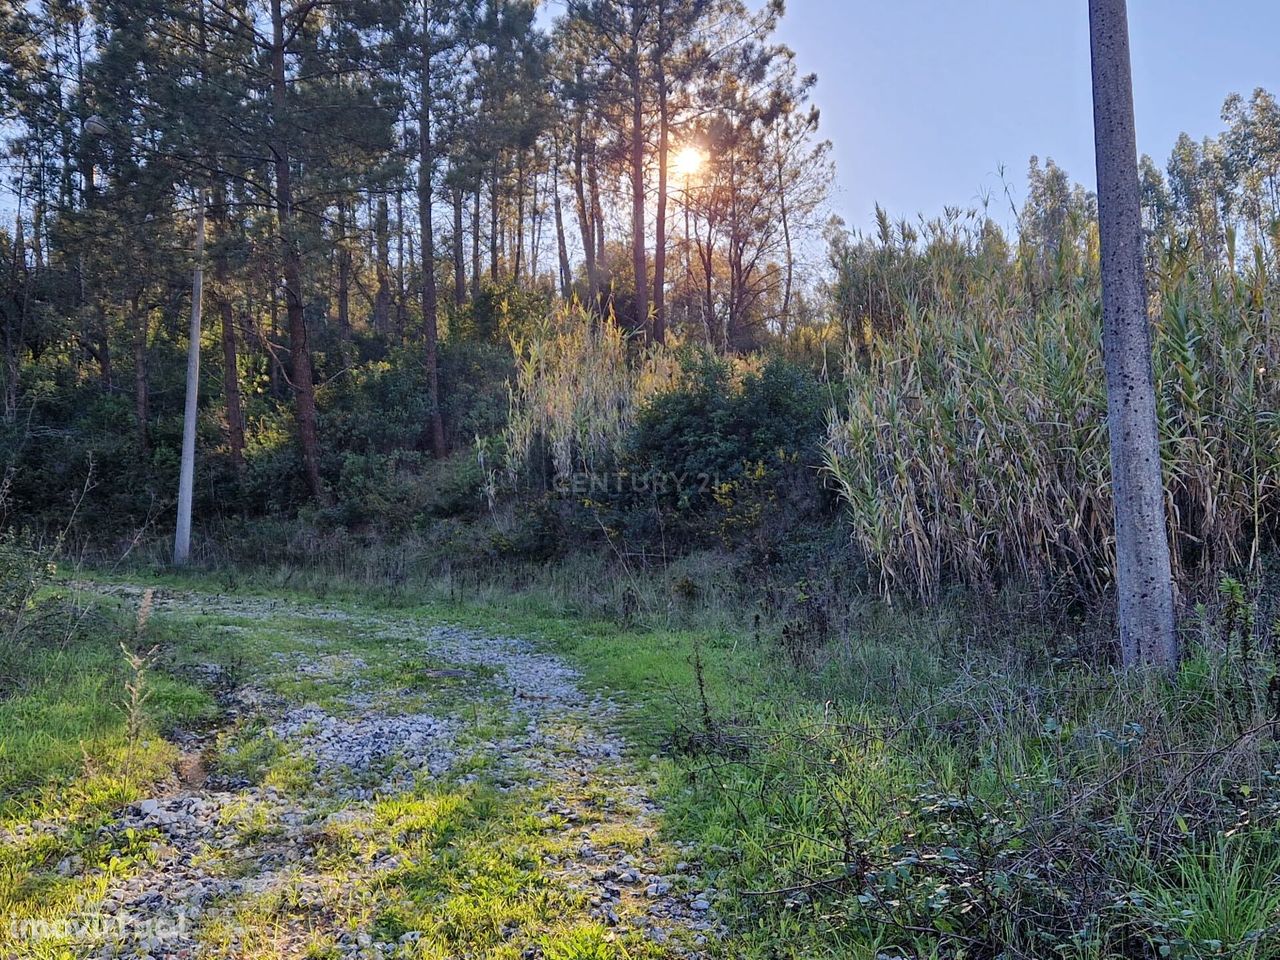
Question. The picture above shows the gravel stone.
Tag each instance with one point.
(375, 748)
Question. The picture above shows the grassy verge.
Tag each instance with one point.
(656, 666)
(74, 743)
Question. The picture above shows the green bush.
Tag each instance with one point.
(372, 424)
(502, 310)
(24, 569)
(719, 456)
(100, 476)
(711, 433)
(473, 387)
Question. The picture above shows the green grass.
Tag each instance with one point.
(653, 670)
(1214, 900)
(476, 870)
(917, 788)
(65, 713)
(474, 857)
(68, 760)
(652, 665)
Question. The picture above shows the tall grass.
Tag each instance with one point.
(579, 384)
(974, 443)
(941, 797)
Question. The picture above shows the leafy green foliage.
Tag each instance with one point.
(719, 455)
(502, 311)
(24, 568)
(712, 430)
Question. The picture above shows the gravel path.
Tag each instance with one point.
(222, 845)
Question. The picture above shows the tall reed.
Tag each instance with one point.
(579, 383)
(974, 444)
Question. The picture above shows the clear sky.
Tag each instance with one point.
(925, 100)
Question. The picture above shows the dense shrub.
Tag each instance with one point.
(383, 406)
(473, 386)
(713, 433)
(24, 568)
(502, 311)
(727, 454)
(378, 407)
(79, 455)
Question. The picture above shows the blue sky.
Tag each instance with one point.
(924, 100)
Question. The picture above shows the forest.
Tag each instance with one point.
(467, 493)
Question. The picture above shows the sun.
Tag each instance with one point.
(688, 161)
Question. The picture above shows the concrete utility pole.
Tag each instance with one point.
(186, 481)
(1144, 581)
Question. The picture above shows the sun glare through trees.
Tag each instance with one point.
(688, 163)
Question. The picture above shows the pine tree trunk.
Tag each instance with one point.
(231, 383)
(382, 254)
(659, 328)
(519, 238)
(459, 260)
(141, 388)
(586, 216)
(277, 369)
(401, 293)
(12, 369)
(475, 243)
(14, 321)
(789, 282)
(291, 267)
(535, 228)
(639, 258)
(493, 224)
(102, 348)
(597, 217)
(95, 332)
(230, 357)
(430, 307)
(562, 246)
(1143, 575)
(38, 233)
(714, 333)
(344, 276)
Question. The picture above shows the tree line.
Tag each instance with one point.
(371, 168)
